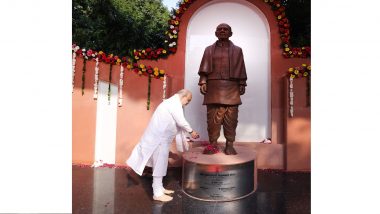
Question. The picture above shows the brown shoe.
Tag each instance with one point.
(163, 198)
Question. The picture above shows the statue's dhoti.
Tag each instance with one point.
(218, 115)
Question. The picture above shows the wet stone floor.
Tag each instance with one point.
(106, 190)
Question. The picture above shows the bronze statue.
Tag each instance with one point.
(222, 81)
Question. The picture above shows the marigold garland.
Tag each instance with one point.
(148, 101)
(83, 74)
(126, 62)
(294, 73)
(109, 84)
(96, 79)
(284, 28)
(164, 88)
(121, 82)
(74, 58)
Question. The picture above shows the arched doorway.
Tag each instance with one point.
(250, 32)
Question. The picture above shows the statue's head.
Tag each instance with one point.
(223, 31)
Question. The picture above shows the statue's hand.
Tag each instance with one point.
(242, 89)
(203, 89)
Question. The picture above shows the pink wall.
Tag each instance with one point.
(133, 117)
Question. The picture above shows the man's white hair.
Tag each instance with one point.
(183, 93)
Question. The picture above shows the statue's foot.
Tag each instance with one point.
(229, 150)
(214, 143)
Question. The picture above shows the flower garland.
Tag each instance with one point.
(101, 56)
(142, 69)
(294, 73)
(284, 27)
(74, 48)
(120, 102)
(164, 88)
(148, 101)
(96, 79)
(83, 74)
(125, 62)
(109, 85)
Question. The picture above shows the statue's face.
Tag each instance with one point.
(223, 31)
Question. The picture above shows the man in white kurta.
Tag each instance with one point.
(153, 149)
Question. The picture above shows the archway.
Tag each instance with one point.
(250, 32)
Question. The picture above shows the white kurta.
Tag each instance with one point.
(167, 121)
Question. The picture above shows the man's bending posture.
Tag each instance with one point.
(153, 149)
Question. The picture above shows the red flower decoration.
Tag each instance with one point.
(210, 149)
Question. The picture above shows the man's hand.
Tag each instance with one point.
(242, 89)
(194, 135)
(203, 88)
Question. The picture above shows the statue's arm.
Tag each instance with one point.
(203, 69)
(202, 83)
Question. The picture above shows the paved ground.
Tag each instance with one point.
(110, 190)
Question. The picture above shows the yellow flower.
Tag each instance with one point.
(118, 60)
(186, 0)
(136, 57)
(304, 65)
(309, 68)
(156, 73)
(287, 49)
(175, 36)
(161, 78)
(176, 22)
(143, 69)
(279, 17)
(291, 70)
(100, 52)
(155, 69)
(303, 48)
(143, 51)
(164, 51)
(142, 66)
(292, 76)
(296, 72)
(129, 67)
(177, 11)
(305, 74)
(162, 71)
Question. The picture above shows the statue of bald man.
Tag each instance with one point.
(222, 80)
